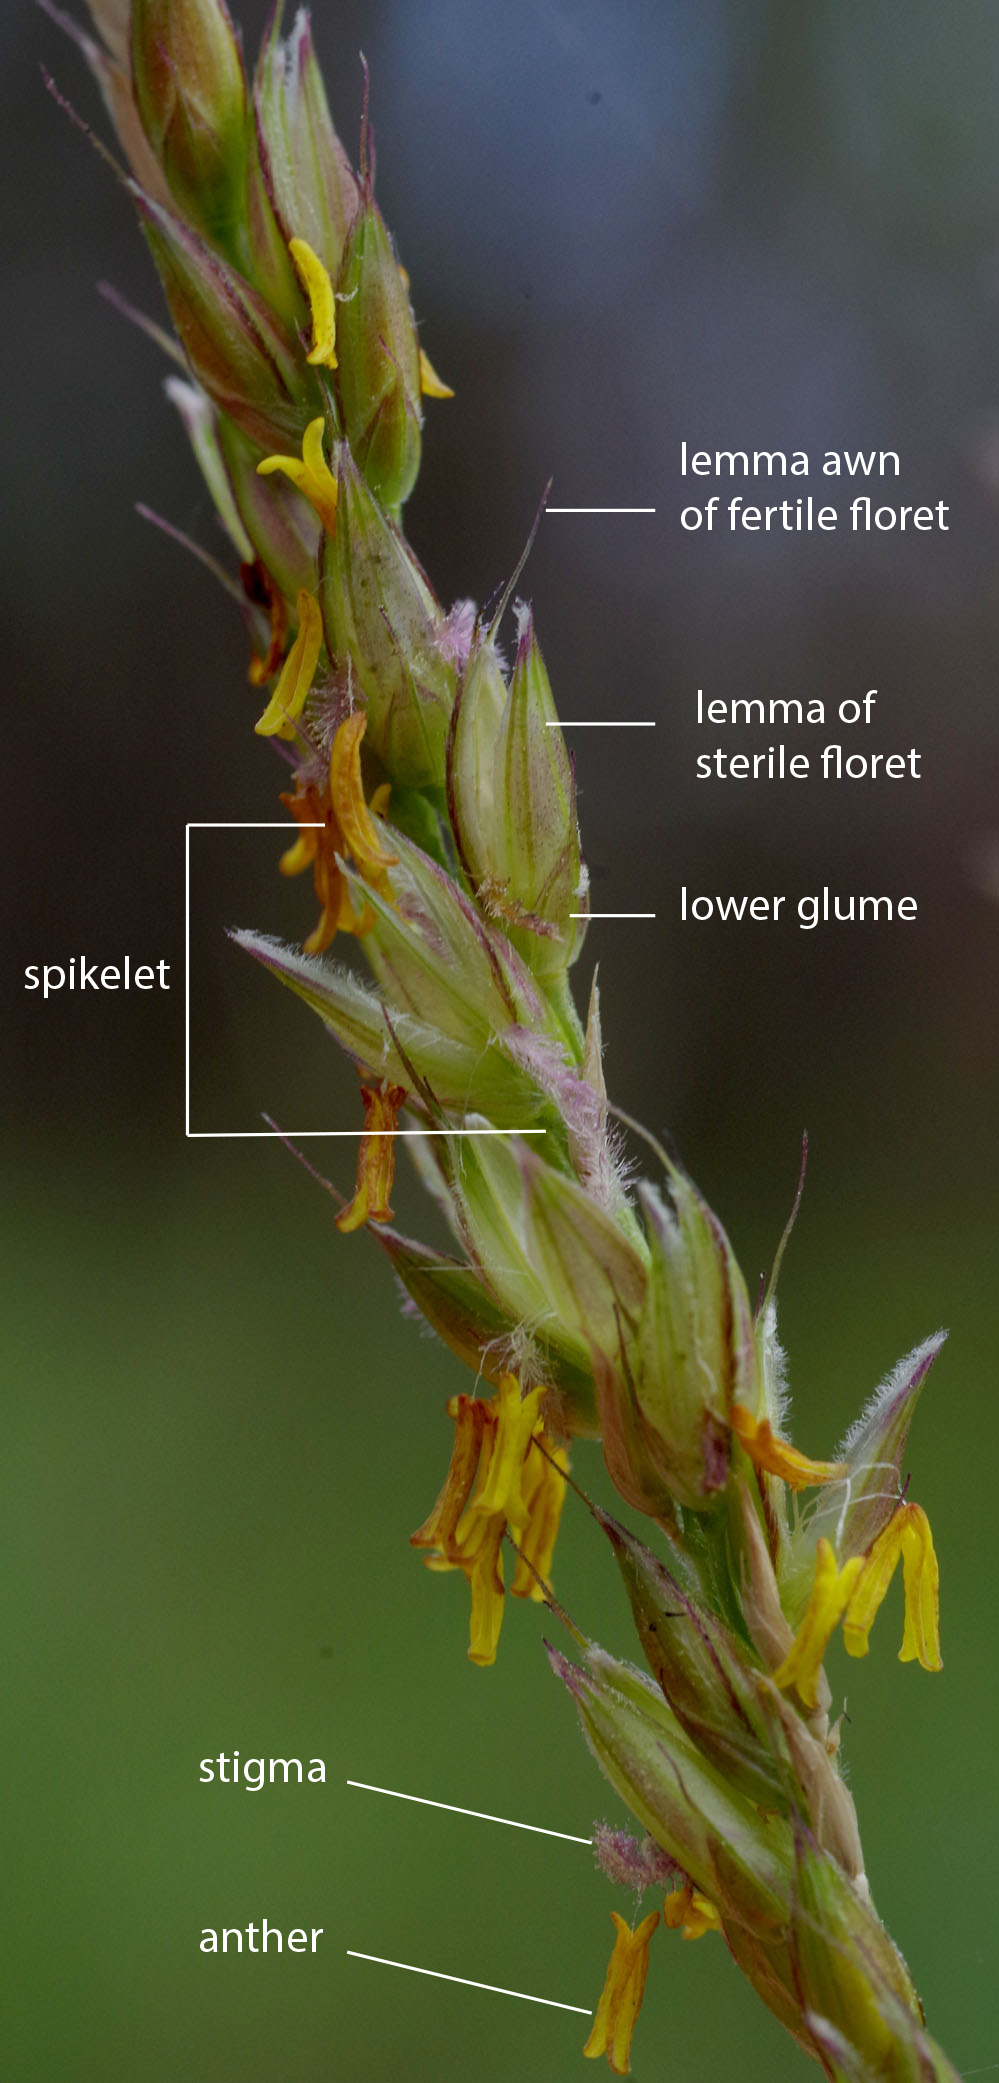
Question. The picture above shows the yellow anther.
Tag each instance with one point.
(500, 1490)
(297, 674)
(908, 1535)
(376, 1158)
(777, 1456)
(544, 1493)
(687, 1910)
(500, 1478)
(430, 383)
(319, 289)
(361, 834)
(621, 1999)
(310, 473)
(471, 1414)
(831, 1594)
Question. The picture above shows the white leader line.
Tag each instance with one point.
(467, 1983)
(479, 1813)
(601, 723)
(612, 914)
(600, 509)
(229, 1135)
(244, 1135)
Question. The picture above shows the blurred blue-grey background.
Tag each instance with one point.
(757, 225)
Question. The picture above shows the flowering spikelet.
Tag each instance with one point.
(596, 1305)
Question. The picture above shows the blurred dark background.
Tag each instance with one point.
(743, 225)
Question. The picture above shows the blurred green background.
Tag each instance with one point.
(743, 225)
